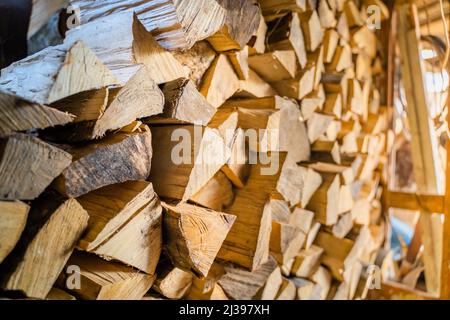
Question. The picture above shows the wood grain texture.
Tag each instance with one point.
(20, 115)
(175, 24)
(49, 238)
(12, 223)
(55, 73)
(194, 236)
(28, 166)
(115, 159)
(241, 22)
(127, 229)
(103, 280)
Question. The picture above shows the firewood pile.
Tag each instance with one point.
(207, 149)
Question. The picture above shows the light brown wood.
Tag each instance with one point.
(132, 151)
(172, 282)
(238, 28)
(20, 115)
(240, 62)
(220, 82)
(312, 29)
(240, 284)
(127, 230)
(247, 243)
(103, 280)
(14, 217)
(51, 233)
(56, 73)
(286, 34)
(275, 66)
(28, 166)
(194, 236)
(174, 24)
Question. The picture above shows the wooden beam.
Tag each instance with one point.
(424, 144)
(411, 201)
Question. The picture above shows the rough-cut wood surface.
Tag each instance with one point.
(115, 159)
(28, 166)
(241, 22)
(127, 229)
(240, 284)
(175, 24)
(48, 240)
(102, 280)
(194, 236)
(12, 223)
(123, 50)
(20, 115)
(55, 73)
(247, 244)
(184, 103)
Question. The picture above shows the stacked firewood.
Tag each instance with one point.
(161, 153)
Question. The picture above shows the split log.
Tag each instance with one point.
(132, 154)
(254, 87)
(352, 14)
(324, 201)
(185, 104)
(52, 230)
(274, 102)
(129, 46)
(240, 284)
(194, 236)
(342, 58)
(139, 98)
(286, 34)
(247, 243)
(275, 66)
(312, 29)
(127, 230)
(317, 125)
(327, 151)
(306, 262)
(56, 73)
(174, 24)
(312, 102)
(188, 157)
(258, 41)
(285, 241)
(299, 87)
(217, 194)
(239, 27)
(172, 282)
(322, 278)
(275, 6)
(20, 115)
(335, 253)
(12, 223)
(330, 43)
(287, 290)
(297, 184)
(239, 60)
(237, 169)
(85, 106)
(302, 219)
(326, 15)
(103, 280)
(28, 166)
(198, 59)
(220, 82)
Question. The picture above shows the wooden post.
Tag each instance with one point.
(424, 144)
(445, 268)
